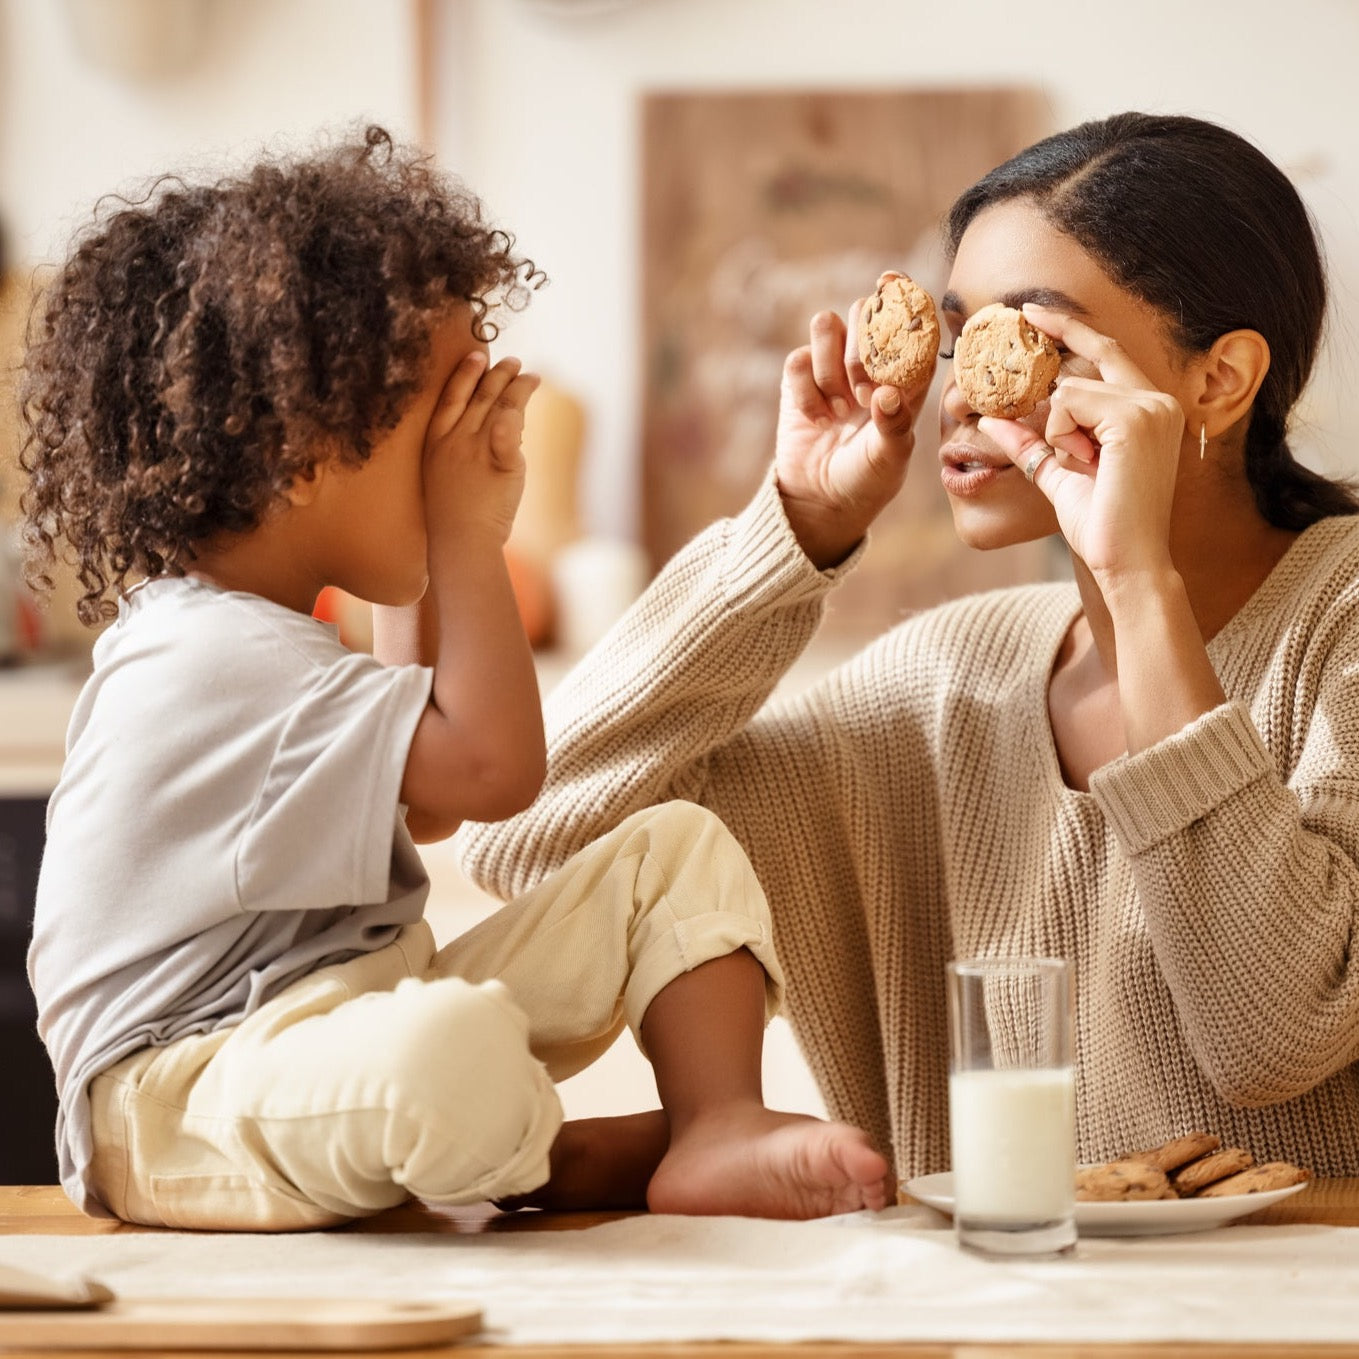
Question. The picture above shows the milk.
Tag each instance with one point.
(1014, 1144)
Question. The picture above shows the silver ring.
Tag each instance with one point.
(1036, 459)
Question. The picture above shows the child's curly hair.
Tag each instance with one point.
(204, 346)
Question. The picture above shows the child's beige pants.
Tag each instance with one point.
(410, 1072)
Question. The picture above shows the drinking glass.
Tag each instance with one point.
(1012, 1105)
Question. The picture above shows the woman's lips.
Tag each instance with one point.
(969, 471)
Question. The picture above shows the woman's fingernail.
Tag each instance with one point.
(840, 406)
(891, 401)
(863, 393)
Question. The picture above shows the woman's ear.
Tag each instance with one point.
(1230, 375)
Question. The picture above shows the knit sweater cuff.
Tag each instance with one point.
(1160, 791)
(765, 559)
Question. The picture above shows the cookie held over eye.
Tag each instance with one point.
(1003, 364)
(899, 333)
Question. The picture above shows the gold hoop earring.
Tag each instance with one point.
(1203, 440)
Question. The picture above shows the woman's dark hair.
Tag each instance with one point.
(1200, 224)
(205, 345)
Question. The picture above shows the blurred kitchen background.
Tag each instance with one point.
(696, 177)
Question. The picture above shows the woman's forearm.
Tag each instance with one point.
(1165, 676)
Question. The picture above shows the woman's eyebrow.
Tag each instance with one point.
(1045, 297)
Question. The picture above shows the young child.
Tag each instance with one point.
(236, 394)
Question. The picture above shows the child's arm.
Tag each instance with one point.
(478, 752)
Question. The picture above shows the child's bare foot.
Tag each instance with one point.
(752, 1161)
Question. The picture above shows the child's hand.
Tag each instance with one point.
(838, 465)
(474, 469)
(478, 752)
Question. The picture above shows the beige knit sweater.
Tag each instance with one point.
(910, 809)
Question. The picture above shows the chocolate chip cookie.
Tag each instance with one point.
(1258, 1180)
(1121, 1182)
(1179, 1151)
(899, 333)
(1004, 365)
(1197, 1175)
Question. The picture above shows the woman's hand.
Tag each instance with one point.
(843, 443)
(1117, 441)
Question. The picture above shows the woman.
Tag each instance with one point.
(1153, 771)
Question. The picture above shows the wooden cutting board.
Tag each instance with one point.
(242, 1324)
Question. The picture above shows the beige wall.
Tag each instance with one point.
(538, 99)
(535, 104)
(268, 72)
(265, 73)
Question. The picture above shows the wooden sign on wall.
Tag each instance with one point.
(759, 210)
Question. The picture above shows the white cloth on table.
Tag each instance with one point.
(890, 1276)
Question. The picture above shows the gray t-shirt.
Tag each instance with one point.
(227, 821)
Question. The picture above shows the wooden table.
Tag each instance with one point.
(45, 1210)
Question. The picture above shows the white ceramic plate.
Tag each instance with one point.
(1157, 1217)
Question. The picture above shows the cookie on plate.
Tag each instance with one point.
(1178, 1151)
(1004, 365)
(899, 333)
(1258, 1180)
(1197, 1175)
(1121, 1182)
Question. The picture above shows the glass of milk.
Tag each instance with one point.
(1012, 1105)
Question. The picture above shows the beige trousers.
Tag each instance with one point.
(410, 1072)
